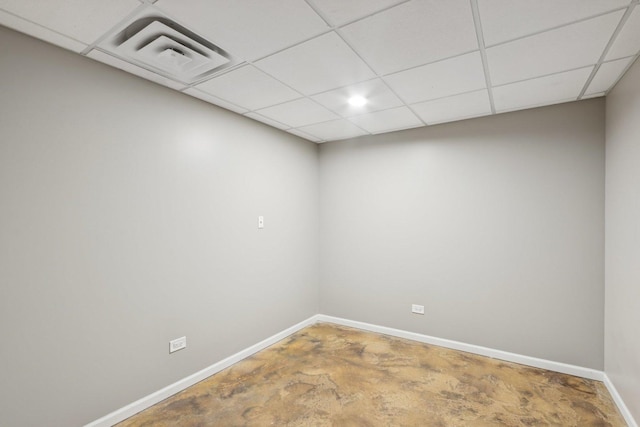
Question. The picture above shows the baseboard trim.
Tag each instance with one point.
(622, 407)
(158, 396)
(564, 368)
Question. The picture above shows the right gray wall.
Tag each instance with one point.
(495, 225)
(622, 264)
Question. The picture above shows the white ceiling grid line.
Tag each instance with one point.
(450, 76)
(334, 129)
(605, 52)
(538, 16)
(198, 90)
(267, 121)
(371, 102)
(317, 65)
(626, 42)
(111, 60)
(82, 20)
(387, 120)
(214, 100)
(120, 23)
(249, 29)
(571, 46)
(483, 52)
(324, 18)
(615, 82)
(378, 94)
(295, 63)
(388, 124)
(39, 31)
(414, 33)
(456, 107)
(559, 87)
(607, 74)
(629, 34)
(297, 113)
(249, 87)
(304, 135)
(542, 76)
(339, 13)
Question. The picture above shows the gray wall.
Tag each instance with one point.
(622, 301)
(128, 218)
(495, 225)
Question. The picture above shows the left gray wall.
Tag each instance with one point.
(128, 218)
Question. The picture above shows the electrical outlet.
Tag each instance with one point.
(177, 344)
(417, 309)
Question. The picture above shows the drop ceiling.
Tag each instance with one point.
(418, 62)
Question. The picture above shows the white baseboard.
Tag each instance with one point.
(618, 400)
(150, 400)
(564, 368)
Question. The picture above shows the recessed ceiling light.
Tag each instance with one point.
(357, 101)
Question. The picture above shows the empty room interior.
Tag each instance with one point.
(319, 212)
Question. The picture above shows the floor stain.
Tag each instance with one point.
(329, 375)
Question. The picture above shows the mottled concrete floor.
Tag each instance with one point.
(328, 375)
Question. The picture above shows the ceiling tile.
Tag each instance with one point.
(387, 120)
(134, 69)
(298, 113)
(340, 12)
(467, 105)
(449, 77)
(266, 120)
(543, 90)
(249, 29)
(378, 95)
(565, 48)
(11, 21)
(607, 75)
(504, 20)
(83, 20)
(214, 100)
(333, 130)
(249, 87)
(628, 41)
(414, 33)
(317, 65)
(304, 135)
(301, 72)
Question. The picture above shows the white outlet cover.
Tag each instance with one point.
(417, 309)
(177, 344)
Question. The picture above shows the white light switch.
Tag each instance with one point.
(260, 222)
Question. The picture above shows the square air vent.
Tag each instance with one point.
(161, 45)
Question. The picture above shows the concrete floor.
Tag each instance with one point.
(328, 375)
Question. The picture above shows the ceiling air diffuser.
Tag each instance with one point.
(164, 47)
